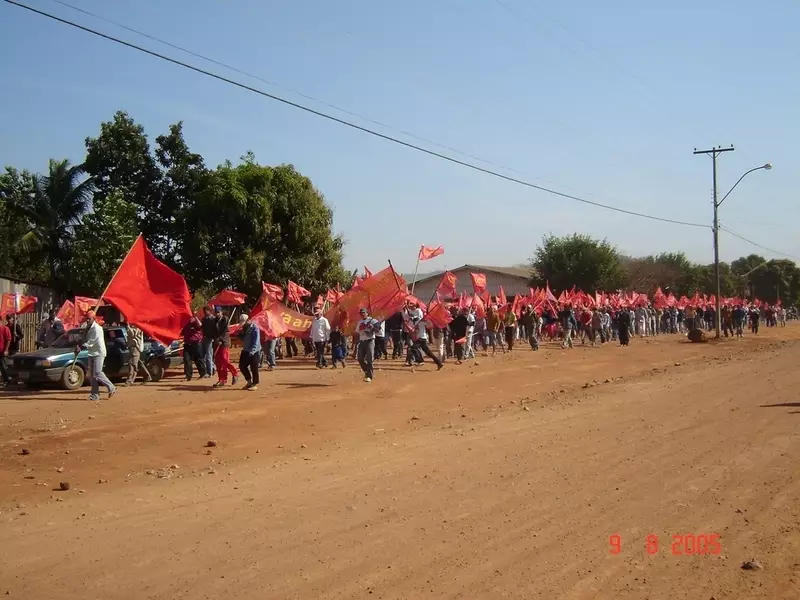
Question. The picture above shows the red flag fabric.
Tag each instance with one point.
(429, 252)
(438, 315)
(447, 286)
(274, 292)
(297, 293)
(501, 297)
(478, 282)
(479, 305)
(150, 294)
(382, 294)
(331, 296)
(66, 314)
(228, 298)
(16, 304)
(83, 304)
(367, 272)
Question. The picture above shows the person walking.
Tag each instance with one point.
(338, 347)
(510, 324)
(95, 345)
(320, 332)
(193, 348)
(209, 325)
(222, 355)
(134, 338)
(570, 324)
(251, 352)
(17, 334)
(5, 342)
(624, 327)
(493, 325)
(420, 338)
(366, 328)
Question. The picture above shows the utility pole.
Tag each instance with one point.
(714, 152)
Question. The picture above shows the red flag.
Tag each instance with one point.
(331, 296)
(228, 298)
(16, 304)
(150, 294)
(274, 292)
(447, 286)
(438, 315)
(66, 314)
(480, 306)
(549, 295)
(297, 293)
(427, 253)
(367, 272)
(478, 282)
(501, 297)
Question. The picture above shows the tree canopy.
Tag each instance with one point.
(232, 226)
(592, 265)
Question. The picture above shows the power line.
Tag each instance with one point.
(276, 85)
(355, 126)
(744, 239)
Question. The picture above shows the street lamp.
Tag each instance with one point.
(766, 167)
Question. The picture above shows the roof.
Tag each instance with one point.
(521, 272)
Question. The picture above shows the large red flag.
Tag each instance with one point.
(447, 286)
(150, 294)
(228, 298)
(429, 252)
(478, 282)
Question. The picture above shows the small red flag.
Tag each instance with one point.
(501, 297)
(150, 294)
(478, 282)
(428, 252)
(297, 293)
(367, 273)
(228, 298)
(447, 286)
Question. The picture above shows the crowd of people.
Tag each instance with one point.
(408, 334)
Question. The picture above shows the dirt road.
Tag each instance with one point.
(500, 478)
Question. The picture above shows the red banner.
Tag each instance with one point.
(278, 320)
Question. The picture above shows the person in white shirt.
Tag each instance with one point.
(366, 329)
(320, 332)
(420, 337)
(95, 345)
(470, 350)
(380, 343)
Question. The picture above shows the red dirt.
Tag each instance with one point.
(500, 478)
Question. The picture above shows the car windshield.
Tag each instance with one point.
(70, 339)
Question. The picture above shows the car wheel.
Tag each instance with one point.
(156, 369)
(72, 378)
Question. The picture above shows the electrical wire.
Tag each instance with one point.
(276, 85)
(744, 239)
(350, 124)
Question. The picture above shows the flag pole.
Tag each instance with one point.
(416, 269)
(110, 281)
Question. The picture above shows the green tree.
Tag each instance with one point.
(52, 209)
(162, 184)
(254, 223)
(101, 242)
(578, 260)
(16, 191)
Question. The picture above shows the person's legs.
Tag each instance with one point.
(3, 371)
(207, 348)
(510, 337)
(423, 345)
(319, 351)
(459, 351)
(244, 367)
(222, 367)
(100, 377)
(187, 363)
(133, 365)
(255, 360)
(366, 350)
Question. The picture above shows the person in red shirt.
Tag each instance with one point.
(586, 326)
(5, 343)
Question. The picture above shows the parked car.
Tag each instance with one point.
(54, 363)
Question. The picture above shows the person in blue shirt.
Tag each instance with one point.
(251, 352)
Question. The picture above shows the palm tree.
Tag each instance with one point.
(55, 207)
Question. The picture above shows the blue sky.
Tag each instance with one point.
(600, 100)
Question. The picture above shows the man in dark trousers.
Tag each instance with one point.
(209, 326)
(16, 334)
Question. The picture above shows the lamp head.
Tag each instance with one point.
(767, 166)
